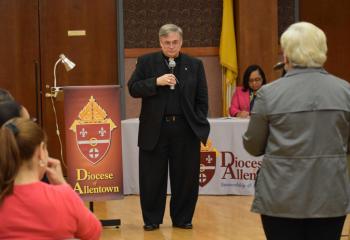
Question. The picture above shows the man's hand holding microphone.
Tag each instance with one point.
(166, 79)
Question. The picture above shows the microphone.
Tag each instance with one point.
(172, 65)
(278, 66)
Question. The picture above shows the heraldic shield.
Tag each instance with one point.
(207, 165)
(93, 140)
(93, 131)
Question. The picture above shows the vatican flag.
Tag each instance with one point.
(228, 55)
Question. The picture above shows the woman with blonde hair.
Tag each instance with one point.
(301, 123)
(29, 208)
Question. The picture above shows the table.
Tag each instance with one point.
(226, 168)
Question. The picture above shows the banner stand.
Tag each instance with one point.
(108, 222)
(93, 144)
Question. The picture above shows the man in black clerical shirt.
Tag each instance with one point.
(173, 122)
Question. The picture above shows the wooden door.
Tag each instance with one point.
(19, 52)
(33, 35)
(333, 18)
(93, 51)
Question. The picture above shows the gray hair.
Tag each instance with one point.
(304, 45)
(169, 28)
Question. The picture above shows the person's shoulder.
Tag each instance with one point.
(328, 81)
(271, 87)
(55, 191)
(188, 58)
(339, 80)
(59, 190)
(149, 58)
(151, 55)
(340, 86)
(239, 88)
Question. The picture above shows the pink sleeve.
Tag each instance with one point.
(88, 226)
(240, 102)
(234, 108)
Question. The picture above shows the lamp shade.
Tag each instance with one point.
(68, 64)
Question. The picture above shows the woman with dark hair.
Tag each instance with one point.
(29, 208)
(9, 108)
(243, 98)
(5, 95)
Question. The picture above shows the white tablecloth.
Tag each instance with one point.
(232, 172)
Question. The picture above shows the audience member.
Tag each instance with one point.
(5, 95)
(301, 123)
(9, 108)
(31, 209)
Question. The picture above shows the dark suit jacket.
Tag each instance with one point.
(193, 90)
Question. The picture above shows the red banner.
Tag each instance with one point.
(93, 141)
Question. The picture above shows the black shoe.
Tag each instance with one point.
(150, 227)
(184, 226)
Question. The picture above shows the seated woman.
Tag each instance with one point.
(5, 95)
(243, 98)
(10, 109)
(31, 209)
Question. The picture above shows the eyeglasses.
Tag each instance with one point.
(255, 80)
(171, 43)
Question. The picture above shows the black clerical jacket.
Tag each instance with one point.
(193, 90)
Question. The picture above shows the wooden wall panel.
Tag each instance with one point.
(192, 51)
(95, 53)
(19, 51)
(334, 19)
(257, 35)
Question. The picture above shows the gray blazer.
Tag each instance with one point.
(301, 124)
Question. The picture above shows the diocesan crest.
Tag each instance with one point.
(93, 131)
(207, 163)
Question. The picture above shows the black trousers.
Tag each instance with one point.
(277, 228)
(179, 149)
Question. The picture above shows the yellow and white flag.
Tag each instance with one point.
(228, 55)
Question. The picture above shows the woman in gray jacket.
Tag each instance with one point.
(301, 124)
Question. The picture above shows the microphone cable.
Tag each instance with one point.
(58, 131)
